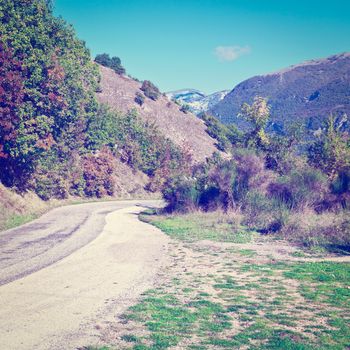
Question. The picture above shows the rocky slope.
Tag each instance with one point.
(307, 93)
(186, 130)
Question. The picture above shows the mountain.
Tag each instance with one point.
(306, 93)
(196, 100)
(185, 95)
(184, 129)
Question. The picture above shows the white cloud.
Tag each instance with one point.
(230, 53)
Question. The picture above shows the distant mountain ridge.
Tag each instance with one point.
(196, 100)
(308, 93)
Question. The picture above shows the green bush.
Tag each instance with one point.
(226, 136)
(150, 90)
(51, 185)
(301, 188)
(110, 62)
(139, 98)
(263, 213)
(181, 194)
(185, 108)
(223, 176)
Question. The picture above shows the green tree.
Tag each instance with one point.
(58, 80)
(150, 90)
(257, 114)
(111, 62)
(331, 152)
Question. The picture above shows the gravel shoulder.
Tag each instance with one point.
(64, 304)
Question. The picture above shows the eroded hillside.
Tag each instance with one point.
(184, 129)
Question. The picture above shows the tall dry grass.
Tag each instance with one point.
(318, 229)
(16, 209)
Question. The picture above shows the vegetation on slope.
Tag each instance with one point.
(274, 187)
(55, 138)
(306, 93)
(110, 62)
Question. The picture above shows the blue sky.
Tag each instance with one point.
(209, 45)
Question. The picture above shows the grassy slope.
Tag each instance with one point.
(258, 295)
(16, 210)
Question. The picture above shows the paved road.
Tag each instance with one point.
(74, 267)
(54, 236)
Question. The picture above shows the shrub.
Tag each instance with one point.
(226, 136)
(300, 189)
(150, 90)
(311, 229)
(185, 108)
(251, 173)
(224, 176)
(98, 173)
(139, 98)
(110, 62)
(181, 194)
(263, 213)
(51, 184)
(210, 198)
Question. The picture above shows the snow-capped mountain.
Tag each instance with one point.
(185, 95)
(196, 100)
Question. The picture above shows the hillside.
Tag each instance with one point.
(55, 139)
(307, 92)
(184, 129)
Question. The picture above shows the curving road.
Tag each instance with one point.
(73, 268)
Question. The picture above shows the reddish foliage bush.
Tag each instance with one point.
(98, 173)
(251, 173)
(11, 96)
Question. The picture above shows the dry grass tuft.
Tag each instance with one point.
(16, 209)
(314, 229)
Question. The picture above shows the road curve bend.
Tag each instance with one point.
(86, 271)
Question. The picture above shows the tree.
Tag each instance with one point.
(11, 97)
(257, 114)
(51, 90)
(331, 152)
(150, 90)
(110, 62)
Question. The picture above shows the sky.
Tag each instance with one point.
(209, 45)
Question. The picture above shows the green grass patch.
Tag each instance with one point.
(18, 220)
(247, 252)
(323, 281)
(198, 226)
(170, 321)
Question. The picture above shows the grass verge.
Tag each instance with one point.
(233, 296)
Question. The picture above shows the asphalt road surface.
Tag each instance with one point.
(74, 268)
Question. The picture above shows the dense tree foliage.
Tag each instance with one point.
(54, 137)
(58, 81)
